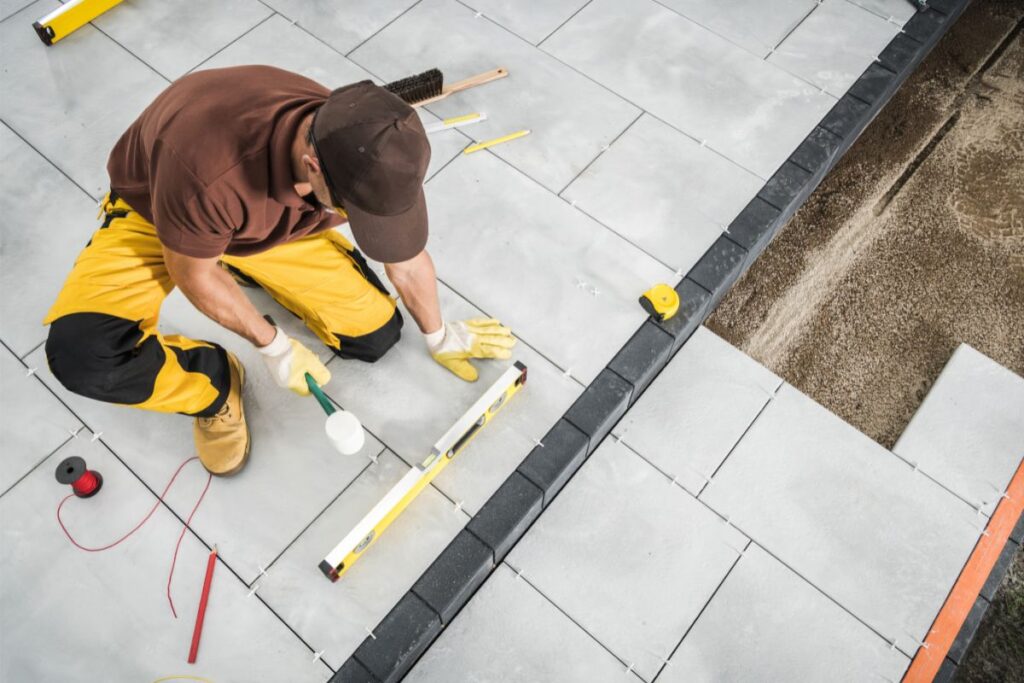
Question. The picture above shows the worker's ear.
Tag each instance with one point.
(311, 163)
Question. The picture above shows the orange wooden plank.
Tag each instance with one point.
(968, 585)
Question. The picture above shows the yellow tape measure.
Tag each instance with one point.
(661, 302)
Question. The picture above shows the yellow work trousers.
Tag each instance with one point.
(104, 342)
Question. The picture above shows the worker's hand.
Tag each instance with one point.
(455, 343)
(289, 361)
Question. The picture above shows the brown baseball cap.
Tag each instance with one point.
(374, 154)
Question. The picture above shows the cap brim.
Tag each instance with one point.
(390, 239)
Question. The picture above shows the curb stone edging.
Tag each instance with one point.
(450, 582)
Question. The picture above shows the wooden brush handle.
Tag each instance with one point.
(466, 84)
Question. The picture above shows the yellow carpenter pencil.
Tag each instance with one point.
(496, 141)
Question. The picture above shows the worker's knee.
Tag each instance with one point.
(372, 347)
(100, 356)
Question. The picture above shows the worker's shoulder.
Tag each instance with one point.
(263, 78)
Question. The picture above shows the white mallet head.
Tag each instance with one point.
(344, 432)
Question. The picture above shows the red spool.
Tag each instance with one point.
(84, 482)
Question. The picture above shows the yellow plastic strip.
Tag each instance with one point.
(459, 119)
(70, 17)
(496, 141)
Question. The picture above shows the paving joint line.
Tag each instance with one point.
(237, 38)
(702, 609)
(520, 577)
(52, 163)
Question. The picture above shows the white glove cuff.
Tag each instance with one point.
(435, 339)
(280, 345)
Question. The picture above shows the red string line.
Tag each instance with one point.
(145, 519)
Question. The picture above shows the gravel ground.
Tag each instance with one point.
(913, 244)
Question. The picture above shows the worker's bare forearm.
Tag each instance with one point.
(416, 282)
(213, 291)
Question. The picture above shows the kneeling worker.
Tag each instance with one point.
(240, 174)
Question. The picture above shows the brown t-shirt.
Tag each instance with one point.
(209, 162)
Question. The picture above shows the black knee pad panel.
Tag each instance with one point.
(99, 356)
(372, 347)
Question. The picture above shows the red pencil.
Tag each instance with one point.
(198, 631)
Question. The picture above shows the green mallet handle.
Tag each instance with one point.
(321, 397)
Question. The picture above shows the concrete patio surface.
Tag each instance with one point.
(727, 522)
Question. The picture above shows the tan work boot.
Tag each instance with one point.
(222, 441)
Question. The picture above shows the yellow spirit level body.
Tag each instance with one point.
(371, 526)
(70, 17)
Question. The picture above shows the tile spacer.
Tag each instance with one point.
(30, 372)
(370, 631)
(538, 443)
(252, 591)
(318, 655)
(458, 506)
(95, 436)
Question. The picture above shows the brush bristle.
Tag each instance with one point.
(419, 87)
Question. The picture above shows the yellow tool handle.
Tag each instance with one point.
(465, 84)
(496, 141)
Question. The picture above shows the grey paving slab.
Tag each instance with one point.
(342, 24)
(47, 221)
(968, 432)
(847, 515)
(899, 11)
(174, 36)
(571, 117)
(293, 472)
(280, 43)
(767, 624)
(698, 408)
(750, 111)
(510, 632)
(33, 423)
(640, 569)
(565, 283)
(9, 7)
(334, 617)
(834, 45)
(532, 21)
(755, 25)
(663, 192)
(70, 615)
(409, 401)
(72, 103)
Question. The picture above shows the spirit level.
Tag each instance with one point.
(370, 527)
(70, 17)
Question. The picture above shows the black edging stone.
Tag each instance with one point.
(642, 357)
(550, 465)
(899, 54)
(410, 627)
(694, 304)
(399, 639)
(963, 639)
(1017, 535)
(946, 672)
(818, 151)
(600, 406)
(455, 575)
(779, 192)
(847, 118)
(995, 577)
(353, 672)
(507, 515)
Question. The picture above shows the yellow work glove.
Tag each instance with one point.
(289, 361)
(455, 343)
